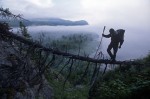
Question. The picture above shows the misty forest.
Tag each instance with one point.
(63, 64)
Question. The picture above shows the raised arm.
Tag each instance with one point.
(107, 36)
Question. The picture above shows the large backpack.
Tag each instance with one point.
(120, 34)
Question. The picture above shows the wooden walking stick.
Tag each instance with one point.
(100, 42)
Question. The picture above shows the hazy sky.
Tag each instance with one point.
(131, 15)
(119, 12)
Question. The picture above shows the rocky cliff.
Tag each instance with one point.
(20, 76)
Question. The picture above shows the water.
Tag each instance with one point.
(136, 44)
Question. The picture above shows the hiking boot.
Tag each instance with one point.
(112, 60)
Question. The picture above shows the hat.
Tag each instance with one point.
(111, 30)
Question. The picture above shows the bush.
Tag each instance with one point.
(129, 83)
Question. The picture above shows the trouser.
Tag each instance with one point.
(115, 49)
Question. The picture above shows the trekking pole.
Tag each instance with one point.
(100, 42)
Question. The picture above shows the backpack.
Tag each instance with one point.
(120, 34)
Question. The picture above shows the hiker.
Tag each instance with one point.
(117, 39)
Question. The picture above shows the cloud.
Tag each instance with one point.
(22, 3)
(44, 8)
(116, 12)
(41, 3)
(131, 13)
(25, 7)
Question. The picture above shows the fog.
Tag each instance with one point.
(136, 44)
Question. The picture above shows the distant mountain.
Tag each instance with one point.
(58, 21)
(50, 22)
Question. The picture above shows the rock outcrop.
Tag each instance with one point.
(20, 78)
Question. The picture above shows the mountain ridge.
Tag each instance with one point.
(48, 21)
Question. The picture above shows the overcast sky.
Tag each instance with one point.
(94, 11)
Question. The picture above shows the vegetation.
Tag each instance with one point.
(74, 43)
(126, 82)
(74, 79)
(69, 91)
